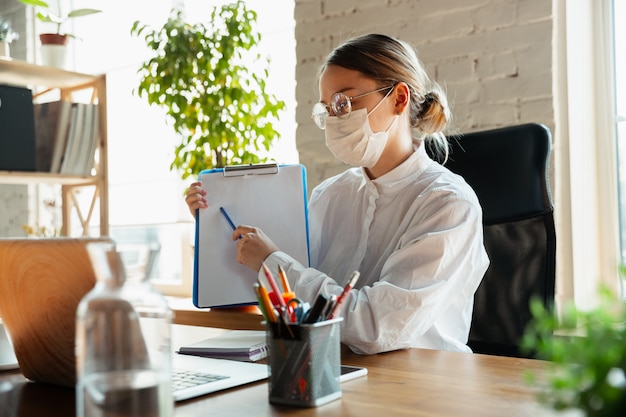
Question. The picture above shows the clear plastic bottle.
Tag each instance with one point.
(123, 341)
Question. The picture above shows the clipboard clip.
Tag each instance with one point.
(257, 169)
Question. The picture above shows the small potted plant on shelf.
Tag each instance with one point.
(53, 43)
(7, 35)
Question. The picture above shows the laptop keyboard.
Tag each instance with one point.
(187, 379)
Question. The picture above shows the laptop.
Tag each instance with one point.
(41, 283)
(194, 375)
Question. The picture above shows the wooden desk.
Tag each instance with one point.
(414, 382)
(246, 318)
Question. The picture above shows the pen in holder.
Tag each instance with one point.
(304, 363)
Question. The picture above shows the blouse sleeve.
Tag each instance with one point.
(426, 286)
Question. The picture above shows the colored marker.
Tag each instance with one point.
(265, 299)
(272, 281)
(353, 279)
(283, 278)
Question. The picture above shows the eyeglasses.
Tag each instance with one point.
(340, 105)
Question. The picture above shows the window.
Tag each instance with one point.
(619, 50)
(619, 39)
(146, 198)
(586, 184)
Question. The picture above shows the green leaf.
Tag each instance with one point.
(83, 12)
(49, 18)
(37, 3)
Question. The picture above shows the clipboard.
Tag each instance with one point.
(271, 197)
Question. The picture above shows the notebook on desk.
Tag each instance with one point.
(237, 345)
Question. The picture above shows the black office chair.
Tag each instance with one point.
(508, 170)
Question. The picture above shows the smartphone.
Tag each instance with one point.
(351, 372)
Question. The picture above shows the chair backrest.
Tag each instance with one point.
(508, 170)
(41, 283)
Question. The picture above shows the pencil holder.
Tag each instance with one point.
(304, 363)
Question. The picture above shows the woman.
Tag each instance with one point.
(411, 227)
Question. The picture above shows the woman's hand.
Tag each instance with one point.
(195, 197)
(253, 246)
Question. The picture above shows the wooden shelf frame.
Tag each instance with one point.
(68, 84)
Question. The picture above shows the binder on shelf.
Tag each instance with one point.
(269, 196)
(47, 118)
(17, 129)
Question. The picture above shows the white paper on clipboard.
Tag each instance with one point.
(269, 196)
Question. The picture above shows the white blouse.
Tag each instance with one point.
(415, 235)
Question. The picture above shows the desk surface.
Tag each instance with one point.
(245, 318)
(412, 382)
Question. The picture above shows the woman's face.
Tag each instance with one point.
(336, 79)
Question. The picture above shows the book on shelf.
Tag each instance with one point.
(47, 122)
(62, 129)
(81, 141)
(240, 345)
(85, 144)
(94, 136)
(73, 139)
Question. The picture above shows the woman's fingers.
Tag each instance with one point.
(253, 246)
(195, 197)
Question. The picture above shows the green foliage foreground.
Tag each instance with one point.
(587, 369)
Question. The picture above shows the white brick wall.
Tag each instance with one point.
(494, 57)
(13, 209)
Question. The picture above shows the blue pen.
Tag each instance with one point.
(227, 217)
(229, 220)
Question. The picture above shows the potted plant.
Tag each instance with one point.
(216, 102)
(53, 44)
(586, 351)
(7, 35)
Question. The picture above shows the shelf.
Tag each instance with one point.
(23, 177)
(22, 73)
(71, 86)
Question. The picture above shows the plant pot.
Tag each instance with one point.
(4, 49)
(53, 49)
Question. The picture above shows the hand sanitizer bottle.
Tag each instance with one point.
(123, 346)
